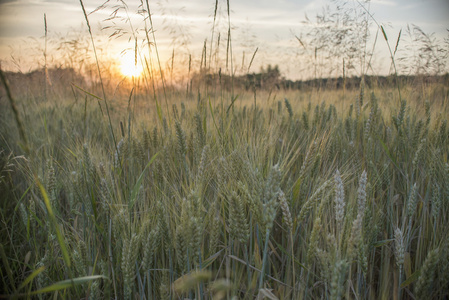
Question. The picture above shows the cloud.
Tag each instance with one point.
(7, 1)
(265, 24)
(384, 2)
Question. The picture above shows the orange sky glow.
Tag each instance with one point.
(184, 31)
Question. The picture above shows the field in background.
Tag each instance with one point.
(211, 188)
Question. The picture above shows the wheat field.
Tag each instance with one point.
(224, 193)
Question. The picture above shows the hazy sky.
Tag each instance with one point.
(269, 25)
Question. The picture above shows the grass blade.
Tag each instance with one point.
(51, 215)
(61, 285)
(136, 187)
(31, 277)
(6, 264)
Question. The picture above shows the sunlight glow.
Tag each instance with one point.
(128, 66)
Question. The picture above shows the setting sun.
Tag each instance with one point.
(128, 67)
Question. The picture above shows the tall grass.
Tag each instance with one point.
(251, 196)
(321, 194)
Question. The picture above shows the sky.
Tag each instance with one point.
(183, 26)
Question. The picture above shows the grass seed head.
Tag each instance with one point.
(339, 198)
